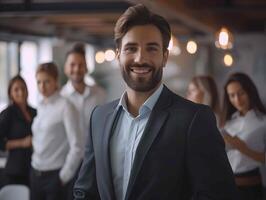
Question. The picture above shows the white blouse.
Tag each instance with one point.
(56, 137)
(250, 128)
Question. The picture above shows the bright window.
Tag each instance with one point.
(28, 64)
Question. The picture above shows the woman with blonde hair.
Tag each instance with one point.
(202, 89)
(56, 140)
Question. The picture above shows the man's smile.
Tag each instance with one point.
(140, 70)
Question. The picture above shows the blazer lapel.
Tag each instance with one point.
(110, 124)
(157, 118)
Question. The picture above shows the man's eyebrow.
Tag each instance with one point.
(153, 44)
(131, 44)
(149, 44)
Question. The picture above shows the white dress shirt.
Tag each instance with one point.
(125, 140)
(84, 103)
(250, 128)
(56, 137)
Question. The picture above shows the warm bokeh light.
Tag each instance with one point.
(173, 46)
(109, 55)
(100, 57)
(192, 47)
(171, 43)
(228, 60)
(224, 39)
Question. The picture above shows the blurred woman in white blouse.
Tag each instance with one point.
(244, 120)
(56, 138)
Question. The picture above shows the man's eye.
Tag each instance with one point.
(152, 49)
(130, 49)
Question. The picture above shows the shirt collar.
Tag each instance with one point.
(250, 113)
(69, 89)
(50, 99)
(148, 104)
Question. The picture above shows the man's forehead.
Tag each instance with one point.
(143, 34)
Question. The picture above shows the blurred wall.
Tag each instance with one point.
(249, 55)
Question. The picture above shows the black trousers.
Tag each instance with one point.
(46, 185)
(68, 189)
(252, 192)
(16, 179)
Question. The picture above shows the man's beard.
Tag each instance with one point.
(142, 84)
(77, 79)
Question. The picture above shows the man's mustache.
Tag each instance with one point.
(144, 65)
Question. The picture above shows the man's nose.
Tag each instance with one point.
(141, 57)
(75, 68)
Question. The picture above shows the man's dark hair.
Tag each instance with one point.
(140, 15)
(78, 48)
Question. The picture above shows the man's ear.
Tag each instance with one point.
(117, 53)
(165, 57)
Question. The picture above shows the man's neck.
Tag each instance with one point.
(79, 87)
(136, 99)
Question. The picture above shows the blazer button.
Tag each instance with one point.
(79, 194)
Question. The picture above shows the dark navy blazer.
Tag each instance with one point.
(180, 156)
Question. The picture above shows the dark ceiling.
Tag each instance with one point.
(93, 21)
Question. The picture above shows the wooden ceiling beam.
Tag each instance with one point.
(177, 10)
(66, 7)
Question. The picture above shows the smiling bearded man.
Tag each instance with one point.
(152, 144)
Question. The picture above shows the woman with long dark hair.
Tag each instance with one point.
(15, 133)
(244, 120)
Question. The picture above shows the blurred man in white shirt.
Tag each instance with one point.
(81, 95)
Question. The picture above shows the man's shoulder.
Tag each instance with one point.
(180, 103)
(61, 102)
(95, 88)
(98, 92)
(107, 107)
